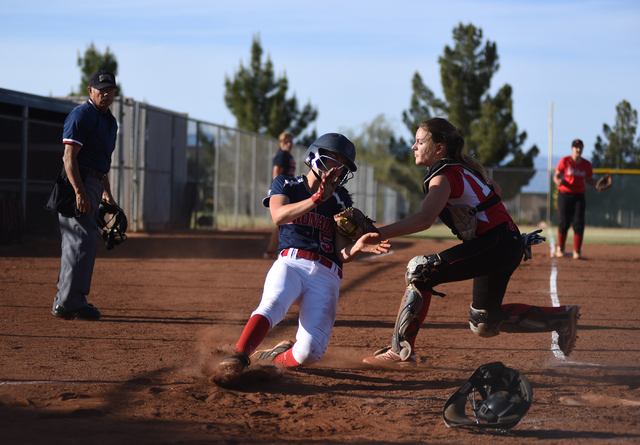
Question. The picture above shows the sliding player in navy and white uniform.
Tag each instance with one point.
(308, 270)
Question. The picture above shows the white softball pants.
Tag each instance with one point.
(315, 288)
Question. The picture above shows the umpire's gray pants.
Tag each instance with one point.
(79, 245)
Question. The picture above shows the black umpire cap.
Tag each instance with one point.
(102, 79)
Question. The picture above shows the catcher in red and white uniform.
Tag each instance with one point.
(459, 191)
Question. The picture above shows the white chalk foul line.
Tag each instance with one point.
(555, 301)
(36, 382)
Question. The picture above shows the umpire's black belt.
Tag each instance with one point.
(314, 257)
(94, 173)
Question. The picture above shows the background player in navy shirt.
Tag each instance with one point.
(283, 164)
(308, 270)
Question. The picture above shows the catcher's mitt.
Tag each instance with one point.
(352, 223)
(603, 183)
(112, 223)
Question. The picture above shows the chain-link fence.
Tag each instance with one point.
(173, 172)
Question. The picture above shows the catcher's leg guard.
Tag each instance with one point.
(481, 325)
(411, 302)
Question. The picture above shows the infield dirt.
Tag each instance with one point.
(174, 305)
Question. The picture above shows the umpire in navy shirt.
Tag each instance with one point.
(89, 139)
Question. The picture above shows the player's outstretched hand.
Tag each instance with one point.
(328, 185)
(371, 242)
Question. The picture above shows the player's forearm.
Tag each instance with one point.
(350, 253)
(411, 224)
(72, 168)
(106, 193)
(557, 178)
(286, 213)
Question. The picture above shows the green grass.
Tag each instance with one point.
(592, 235)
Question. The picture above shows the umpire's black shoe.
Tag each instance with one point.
(88, 312)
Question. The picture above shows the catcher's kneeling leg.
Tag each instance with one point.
(412, 301)
(517, 318)
(525, 318)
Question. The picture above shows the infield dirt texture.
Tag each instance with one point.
(173, 306)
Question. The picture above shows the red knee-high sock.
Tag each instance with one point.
(286, 359)
(516, 309)
(562, 240)
(253, 334)
(577, 242)
(411, 333)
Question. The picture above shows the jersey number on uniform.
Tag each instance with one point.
(486, 190)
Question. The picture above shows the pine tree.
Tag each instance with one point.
(485, 121)
(259, 102)
(93, 61)
(620, 150)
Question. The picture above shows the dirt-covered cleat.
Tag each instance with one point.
(577, 255)
(567, 335)
(230, 369)
(559, 253)
(388, 358)
(266, 356)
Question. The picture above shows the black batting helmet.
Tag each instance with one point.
(332, 143)
(498, 396)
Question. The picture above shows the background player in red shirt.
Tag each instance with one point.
(571, 175)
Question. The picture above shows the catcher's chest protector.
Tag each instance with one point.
(461, 219)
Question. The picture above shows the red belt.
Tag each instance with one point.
(314, 257)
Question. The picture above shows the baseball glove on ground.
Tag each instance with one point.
(352, 223)
(603, 183)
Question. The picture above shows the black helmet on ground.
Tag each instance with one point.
(498, 398)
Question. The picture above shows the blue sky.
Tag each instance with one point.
(354, 60)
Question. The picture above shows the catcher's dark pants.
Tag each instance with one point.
(79, 246)
(571, 210)
(490, 259)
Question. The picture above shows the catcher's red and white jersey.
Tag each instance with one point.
(468, 189)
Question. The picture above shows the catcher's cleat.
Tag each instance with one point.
(88, 313)
(559, 253)
(388, 358)
(567, 335)
(266, 356)
(230, 368)
(577, 255)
